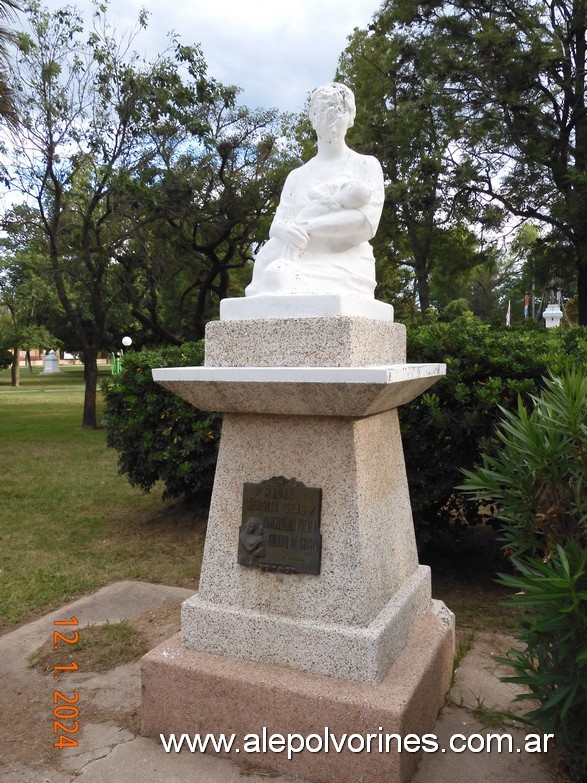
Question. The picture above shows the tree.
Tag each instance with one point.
(549, 267)
(22, 289)
(409, 118)
(467, 274)
(196, 214)
(518, 69)
(87, 107)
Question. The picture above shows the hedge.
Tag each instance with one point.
(161, 438)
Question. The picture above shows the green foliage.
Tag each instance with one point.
(537, 476)
(516, 73)
(487, 367)
(144, 180)
(8, 111)
(409, 117)
(552, 595)
(195, 216)
(5, 358)
(24, 294)
(469, 106)
(160, 437)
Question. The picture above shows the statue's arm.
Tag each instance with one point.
(373, 174)
(284, 226)
(353, 226)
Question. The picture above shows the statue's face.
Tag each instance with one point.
(332, 111)
(330, 119)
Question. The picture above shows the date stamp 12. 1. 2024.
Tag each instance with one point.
(65, 709)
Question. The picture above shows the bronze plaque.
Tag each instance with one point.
(280, 528)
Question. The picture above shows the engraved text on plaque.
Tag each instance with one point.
(280, 528)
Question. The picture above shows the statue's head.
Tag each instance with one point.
(330, 95)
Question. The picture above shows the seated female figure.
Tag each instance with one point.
(329, 210)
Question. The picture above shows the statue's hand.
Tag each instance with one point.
(293, 235)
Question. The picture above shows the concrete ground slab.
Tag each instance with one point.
(115, 602)
(109, 753)
(478, 683)
(96, 743)
(143, 760)
(480, 767)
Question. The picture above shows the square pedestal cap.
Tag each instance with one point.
(301, 391)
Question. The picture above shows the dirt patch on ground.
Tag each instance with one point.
(159, 624)
(99, 648)
(26, 723)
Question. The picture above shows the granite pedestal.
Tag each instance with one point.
(356, 647)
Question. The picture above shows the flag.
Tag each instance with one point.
(508, 314)
(526, 305)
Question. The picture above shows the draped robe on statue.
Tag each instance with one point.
(337, 259)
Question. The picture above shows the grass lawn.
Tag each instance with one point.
(68, 523)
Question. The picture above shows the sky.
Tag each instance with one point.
(277, 51)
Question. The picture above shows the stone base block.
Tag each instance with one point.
(194, 692)
(350, 652)
(304, 342)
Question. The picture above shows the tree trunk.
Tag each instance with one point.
(578, 28)
(582, 284)
(420, 240)
(91, 384)
(423, 287)
(15, 367)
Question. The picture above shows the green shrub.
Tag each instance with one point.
(552, 594)
(6, 357)
(536, 475)
(159, 436)
(487, 367)
(537, 478)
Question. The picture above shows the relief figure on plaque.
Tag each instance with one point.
(252, 540)
(329, 210)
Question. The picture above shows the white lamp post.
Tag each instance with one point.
(552, 316)
(116, 358)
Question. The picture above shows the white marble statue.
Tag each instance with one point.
(329, 210)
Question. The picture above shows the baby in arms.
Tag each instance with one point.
(331, 196)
